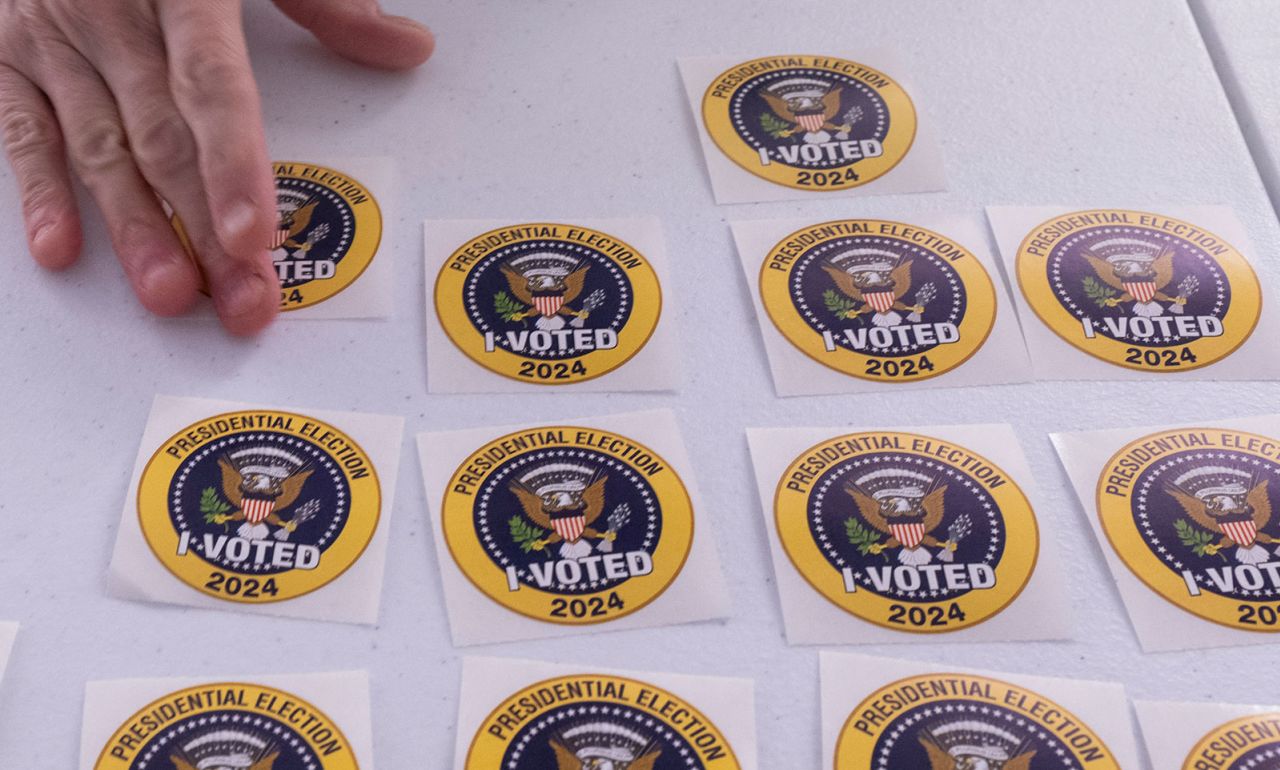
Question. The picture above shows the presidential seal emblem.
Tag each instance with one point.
(1139, 290)
(549, 304)
(1247, 743)
(598, 722)
(905, 531)
(877, 300)
(810, 122)
(258, 506)
(228, 726)
(328, 227)
(568, 525)
(1190, 512)
(966, 722)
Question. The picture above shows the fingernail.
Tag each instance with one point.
(245, 296)
(238, 221)
(163, 278)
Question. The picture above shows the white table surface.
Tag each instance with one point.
(571, 109)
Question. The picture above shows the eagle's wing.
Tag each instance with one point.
(831, 103)
(779, 106)
(933, 508)
(181, 764)
(231, 479)
(290, 488)
(302, 218)
(900, 278)
(593, 496)
(518, 285)
(646, 762)
(1163, 267)
(267, 762)
(1103, 270)
(1194, 508)
(1020, 762)
(532, 505)
(565, 760)
(573, 283)
(1261, 504)
(938, 759)
(844, 281)
(869, 509)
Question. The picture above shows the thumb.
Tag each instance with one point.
(358, 30)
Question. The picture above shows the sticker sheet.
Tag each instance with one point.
(1186, 519)
(274, 511)
(332, 248)
(797, 126)
(1123, 294)
(862, 305)
(907, 535)
(549, 530)
(518, 306)
(276, 722)
(8, 633)
(1210, 736)
(886, 714)
(530, 715)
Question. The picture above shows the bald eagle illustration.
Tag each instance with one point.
(907, 512)
(260, 482)
(877, 287)
(941, 760)
(975, 744)
(546, 285)
(567, 508)
(293, 217)
(226, 749)
(1226, 502)
(805, 112)
(1140, 277)
(604, 745)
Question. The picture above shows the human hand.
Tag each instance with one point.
(147, 98)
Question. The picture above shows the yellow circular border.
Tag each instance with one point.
(457, 517)
(360, 254)
(193, 571)
(902, 121)
(980, 292)
(858, 750)
(341, 762)
(484, 757)
(809, 561)
(1116, 518)
(1246, 302)
(1202, 745)
(646, 310)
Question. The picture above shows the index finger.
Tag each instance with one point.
(214, 89)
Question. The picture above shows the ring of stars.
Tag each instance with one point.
(210, 453)
(840, 554)
(480, 308)
(1065, 264)
(494, 536)
(276, 734)
(599, 711)
(755, 85)
(905, 729)
(816, 317)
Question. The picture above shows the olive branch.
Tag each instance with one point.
(524, 533)
(506, 307)
(1097, 292)
(211, 505)
(1197, 540)
(773, 125)
(860, 537)
(837, 303)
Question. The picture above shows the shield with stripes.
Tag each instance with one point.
(570, 527)
(881, 301)
(548, 304)
(257, 509)
(1143, 291)
(1243, 532)
(278, 238)
(812, 122)
(909, 534)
